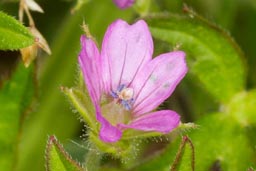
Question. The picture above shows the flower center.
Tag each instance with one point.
(124, 96)
(116, 108)
(115, 113)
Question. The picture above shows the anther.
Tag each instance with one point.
(124, 96)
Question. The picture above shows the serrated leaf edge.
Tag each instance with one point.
(22, 32)
(52, 141)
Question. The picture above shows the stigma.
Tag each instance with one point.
(124, 96)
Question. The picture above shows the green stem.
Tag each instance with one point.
(92, 159)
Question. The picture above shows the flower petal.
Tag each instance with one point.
(108, 133)
(125, 50)
(89, 60)
(157, 80)
(123, 3)
(161, 121)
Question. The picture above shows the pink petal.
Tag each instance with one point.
(157, 80)
(108, 133)
(125, 49)
(89, 60)
(161, 121)
(123, 3)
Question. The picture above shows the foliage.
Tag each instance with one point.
(13, 35)
(218, 93)
(58, 159)
(15, 98)
(217, 65)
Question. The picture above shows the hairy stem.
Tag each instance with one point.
(92, 159)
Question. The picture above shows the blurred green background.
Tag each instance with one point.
(52, 113)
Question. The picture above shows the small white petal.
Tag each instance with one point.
(32, 5)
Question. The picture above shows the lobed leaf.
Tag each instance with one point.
(213, 57)
(57, 159)
(166, 158)
(13, 35)
(221, 144)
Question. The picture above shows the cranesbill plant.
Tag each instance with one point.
(126, 85)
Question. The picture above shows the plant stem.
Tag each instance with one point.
(92, 159)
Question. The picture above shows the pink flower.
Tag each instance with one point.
(126, 85)
(123, 3)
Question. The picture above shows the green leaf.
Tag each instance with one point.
(219, 143)
(57, 159)
(163, 160)
(13, 35)
(222, 144)
(242, 107)
(15, 96)
(169, 156)
(212, 55)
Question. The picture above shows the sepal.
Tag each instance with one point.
(82, 103)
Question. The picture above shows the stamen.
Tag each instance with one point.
(124, 96)
(120, 87)
(126, 105)
(114, 94)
